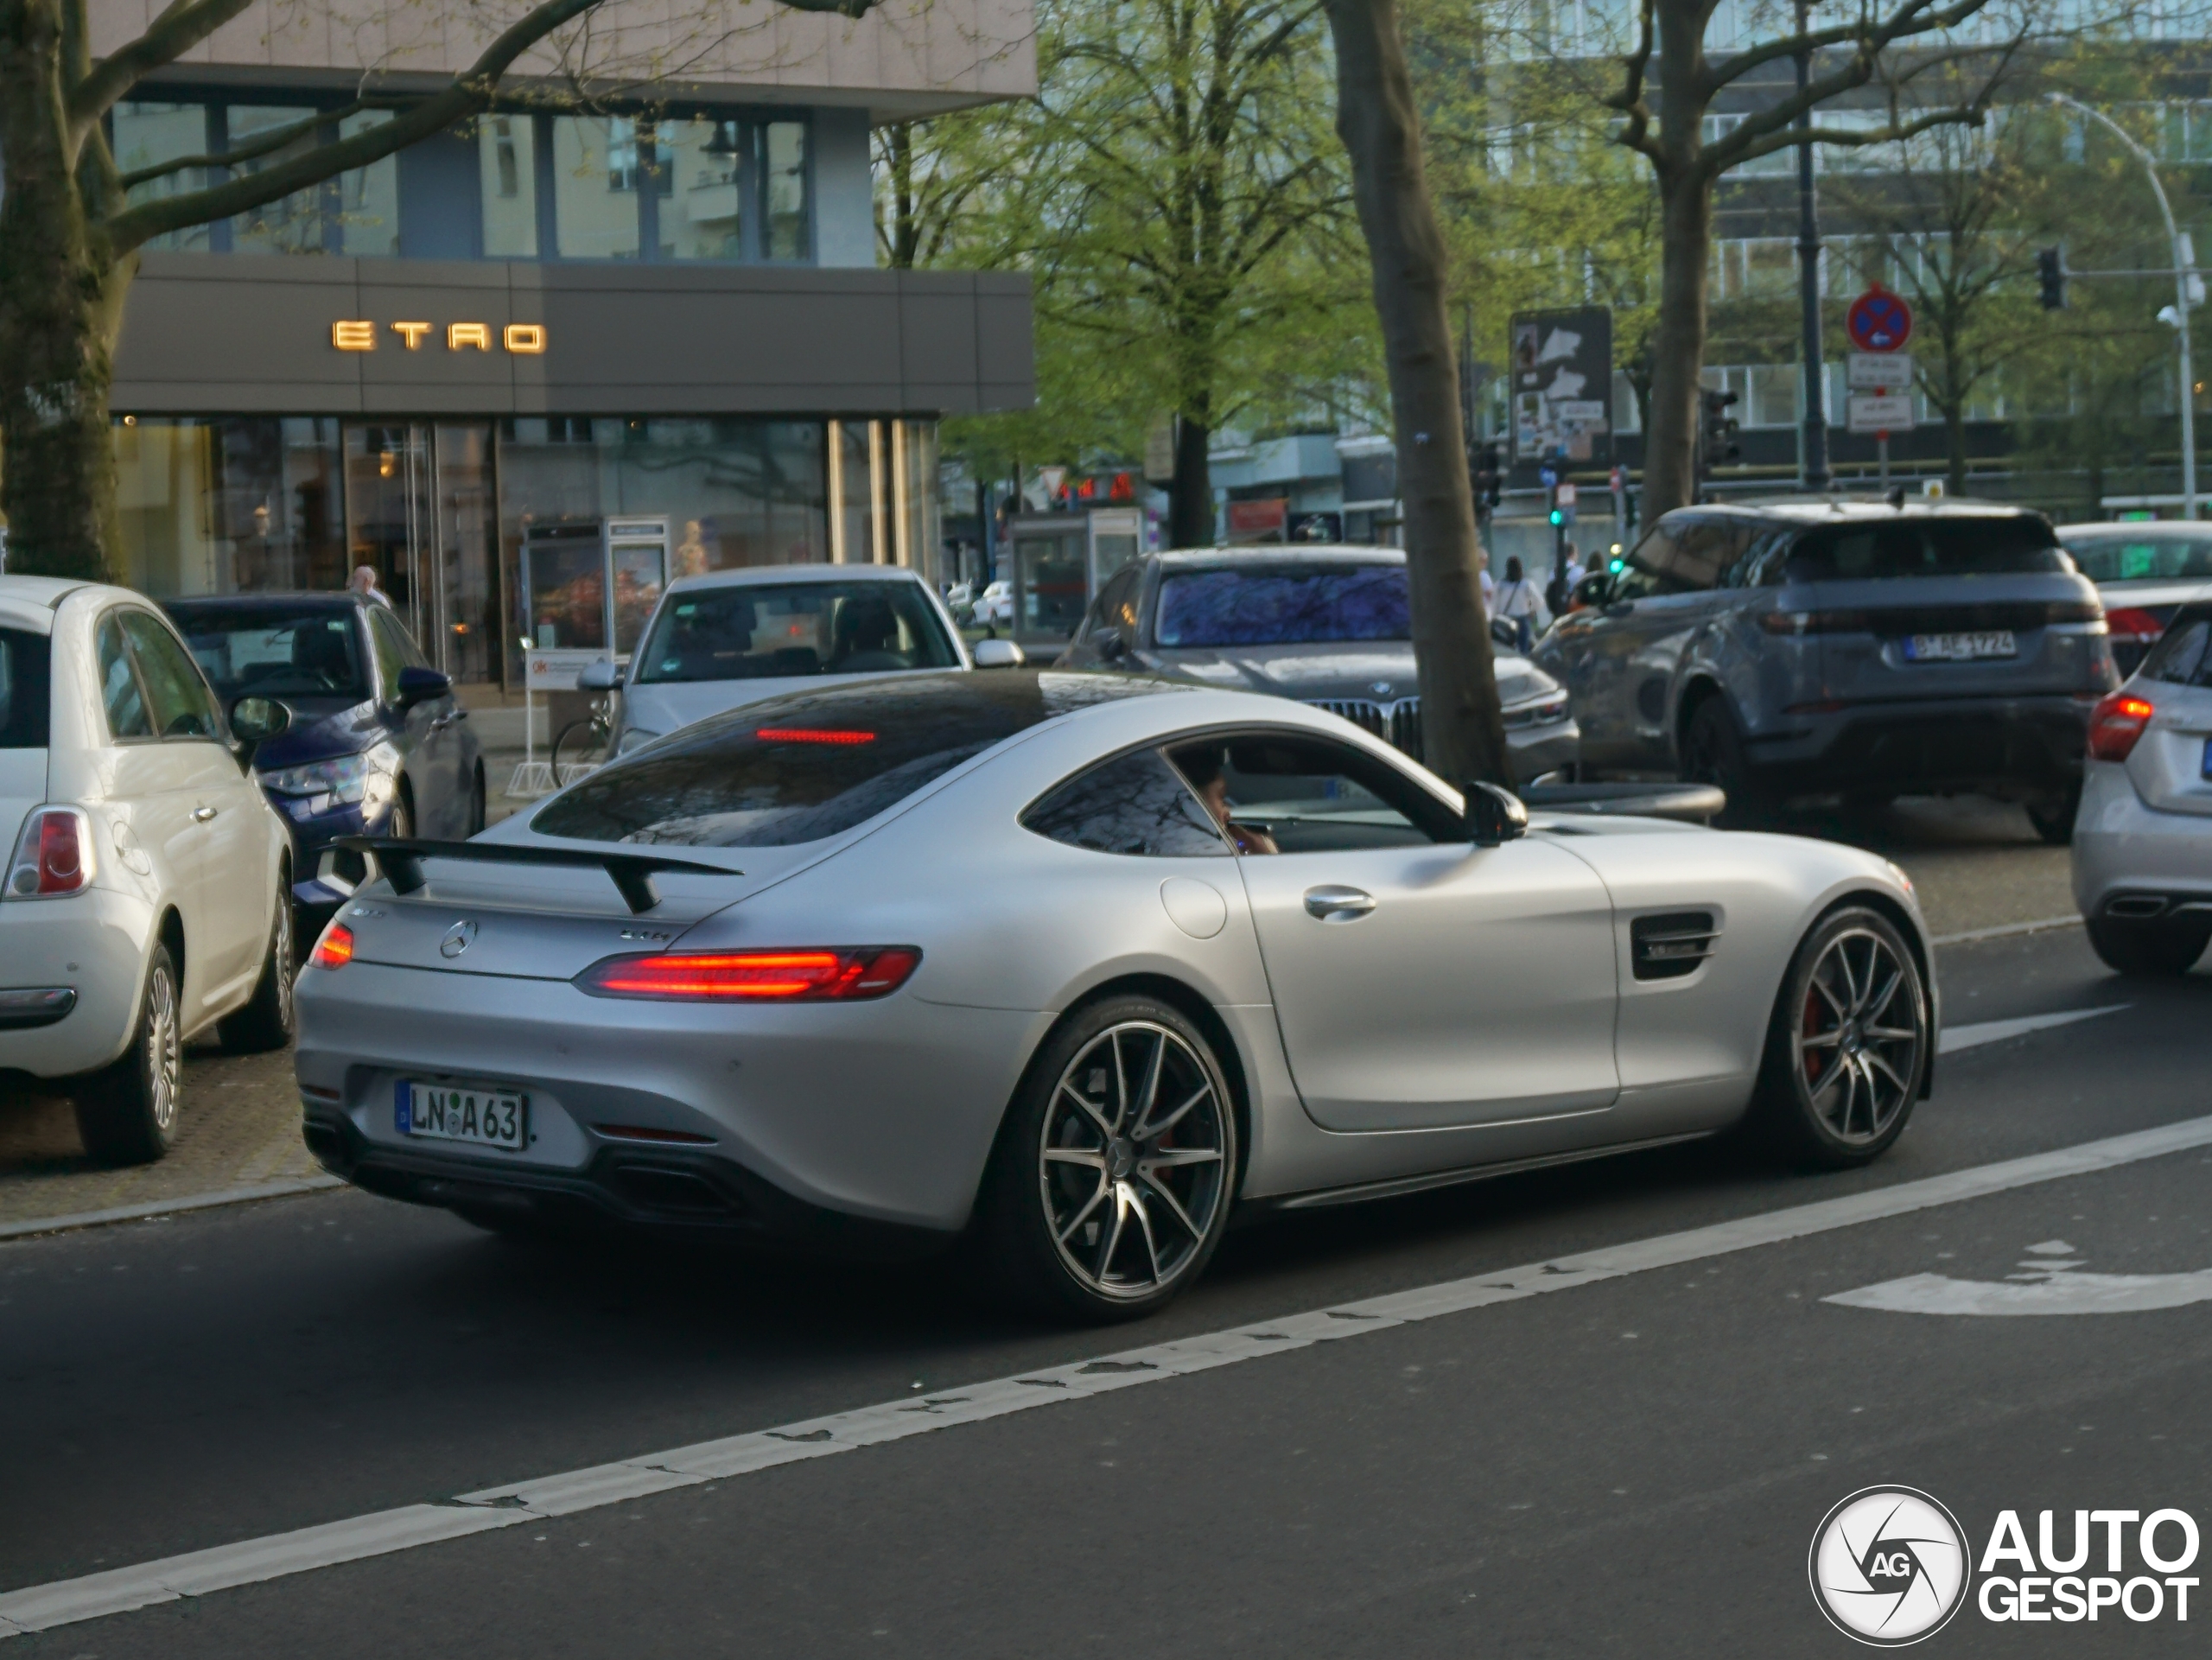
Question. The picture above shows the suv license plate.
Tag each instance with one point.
(1961, 648)
(448, 1112)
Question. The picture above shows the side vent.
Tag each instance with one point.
(1667, 947)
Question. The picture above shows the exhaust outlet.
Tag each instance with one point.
(2136, 907)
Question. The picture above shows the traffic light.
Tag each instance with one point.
(1557, 517)
(2051, 276)
(1718, 427)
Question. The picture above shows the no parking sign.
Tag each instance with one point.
(1878, 320)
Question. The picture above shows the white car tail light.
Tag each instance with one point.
(53, 856)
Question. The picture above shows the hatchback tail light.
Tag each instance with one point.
(852, 974)
(2132, 626)
(334, 950)
(54, 855)
(2116, 723)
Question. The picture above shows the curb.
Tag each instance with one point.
(168, 1206)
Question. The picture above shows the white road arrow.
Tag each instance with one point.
(2047, 1285)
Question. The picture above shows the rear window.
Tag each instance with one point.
(809, 764)
(1925, 547)
(1276, 605)
(275, 651)
(762, 633)
(25, 682)
(2180, 658)
(2141, 558)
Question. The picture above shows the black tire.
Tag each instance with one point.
(581, 746)
(2158, 950)
(127, 1111)
(266, 1021)
(476, 802)
(1848, 1046)
(2053, 817)
(1046, 1243)
(1713, 752)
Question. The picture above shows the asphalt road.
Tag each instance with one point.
(1633, 1467)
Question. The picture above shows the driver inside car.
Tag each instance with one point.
(1202, 766)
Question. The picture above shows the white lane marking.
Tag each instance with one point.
(41, 1607)
(1955, 1038)
(2006, 930)
(2056, 1290)
(246, 1195)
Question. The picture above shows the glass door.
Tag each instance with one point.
(421, 513)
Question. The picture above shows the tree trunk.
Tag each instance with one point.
(1678, 343)
(1189, 496)
(1463, 733)
(60, 304)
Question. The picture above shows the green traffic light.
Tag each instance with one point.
(1557, 517)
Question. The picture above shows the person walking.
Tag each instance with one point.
(1518, 604)
(364, 582)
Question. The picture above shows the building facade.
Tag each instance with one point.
(533, 368)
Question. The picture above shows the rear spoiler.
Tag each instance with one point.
(401, 862)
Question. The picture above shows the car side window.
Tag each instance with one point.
(119, 691)
(385, 638)
(1290, 793)
(1134, 804)
(183, 707)
(1710, 554)
(1116, 611)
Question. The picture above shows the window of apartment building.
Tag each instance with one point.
(1753, 268)
(506, 152)
(149, 135)
(1774, 162)
(706, 187)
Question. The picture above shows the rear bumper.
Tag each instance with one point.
(2005, 746)
(2130, 860)
(94, 945)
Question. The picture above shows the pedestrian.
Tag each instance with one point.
(1517, 603)
(1490, 587)
(364, 582)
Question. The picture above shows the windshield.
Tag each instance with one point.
(2142, 557)
(264, 652)
(759, 632)
(1925, 547)
(810, 764)
(1278, 605)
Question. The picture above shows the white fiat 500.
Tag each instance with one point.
(143, 899)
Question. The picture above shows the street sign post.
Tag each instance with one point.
(1878, 320)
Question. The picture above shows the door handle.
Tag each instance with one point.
(201, 815)
(1338, 904)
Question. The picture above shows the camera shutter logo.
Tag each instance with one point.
(1889, 1566)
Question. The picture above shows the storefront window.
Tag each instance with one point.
(594, 195)
(782, 148)
(507, 156)
(368, 197)
(703, 211)
(236, 503)
(147, 135)
(293, 223)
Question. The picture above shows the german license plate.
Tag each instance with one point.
(1961, 648)
(457, 1112)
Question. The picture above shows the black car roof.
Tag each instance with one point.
(1283, 553)
(1848, 510)
(305, 600)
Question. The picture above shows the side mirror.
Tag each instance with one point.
(999, 654)
(255, 721)
(1494, 815)
(419, 685)
(1112, 648)
(602, 676)
(1594, 589)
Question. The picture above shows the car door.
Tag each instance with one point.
(235, 883)
(427, 743)
(1418, 982)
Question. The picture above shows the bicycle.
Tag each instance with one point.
(585, 745)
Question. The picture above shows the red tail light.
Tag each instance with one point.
(2116, 723)
(851, 974)
(334, 950)
(2130, 623)
(811, 734)
(54, 855)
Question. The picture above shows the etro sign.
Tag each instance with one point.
(360, 334)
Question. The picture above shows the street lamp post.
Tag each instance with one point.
(1813, 434)
(2183, 273)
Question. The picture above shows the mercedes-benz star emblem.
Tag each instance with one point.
(458, 939)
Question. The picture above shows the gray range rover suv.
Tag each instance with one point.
(1834, 646)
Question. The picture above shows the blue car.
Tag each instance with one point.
(378, 744)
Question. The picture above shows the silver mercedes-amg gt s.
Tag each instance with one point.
(1070, 964)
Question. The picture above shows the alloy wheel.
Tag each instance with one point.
(280, 960)
(164, 1049)
(1133, 1164)
(1859, 1036)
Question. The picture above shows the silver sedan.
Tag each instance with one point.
(1077, 964)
